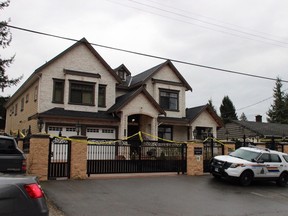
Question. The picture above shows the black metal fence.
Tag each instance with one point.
(211, 149)
(135, 157)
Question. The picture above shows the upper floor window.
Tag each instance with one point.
(36, 93)
(27, 98)
(81, 93)
(169, 99)
(58, 91)
(102, 96)
(122, 74)
(22, 104)
(16, 108)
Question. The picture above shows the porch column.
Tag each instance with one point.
(123, 130)
(154, 127)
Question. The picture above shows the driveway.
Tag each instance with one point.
(166, 195)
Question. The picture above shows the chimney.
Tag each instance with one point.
(258, 118)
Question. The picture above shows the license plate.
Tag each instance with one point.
(216, 169)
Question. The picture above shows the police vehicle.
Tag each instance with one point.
(247, 164)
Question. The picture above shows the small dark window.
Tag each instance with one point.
(102, 96)
(16, 109)
(58, 91)
(169, 99)
(121, 74)
(22, 104)
(36, 93)
(81, 93)
(165, 133)
(27, 98)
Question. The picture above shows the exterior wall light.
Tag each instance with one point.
(40, 124)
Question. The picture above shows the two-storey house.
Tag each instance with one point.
(78, 93)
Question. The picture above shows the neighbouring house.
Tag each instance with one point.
(252, 131)
(78, 93)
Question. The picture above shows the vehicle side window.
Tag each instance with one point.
(285, 157)
(7, 146)
(265, 157)
(275, 158)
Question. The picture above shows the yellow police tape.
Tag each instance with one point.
(140, 134)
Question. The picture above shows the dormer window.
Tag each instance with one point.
(122, 74)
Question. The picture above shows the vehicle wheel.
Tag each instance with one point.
(216, 176)
(283, 180)
(246, 178)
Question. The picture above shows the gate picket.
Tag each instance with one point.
(148, 156)
(59, 158)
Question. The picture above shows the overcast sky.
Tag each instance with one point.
(247, 36)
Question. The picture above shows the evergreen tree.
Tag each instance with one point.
(5, 39)
(227, 110)
(243, 117)
(3, 100)
(210, 103)
(277, 113)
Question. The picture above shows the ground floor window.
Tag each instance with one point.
(165, 132)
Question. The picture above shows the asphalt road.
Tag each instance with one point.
(166, 195)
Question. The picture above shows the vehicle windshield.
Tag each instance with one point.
(7, 146)
(245, 154)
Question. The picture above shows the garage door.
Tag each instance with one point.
(65, 131)
(101, 133)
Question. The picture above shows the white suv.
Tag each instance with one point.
(251, 163)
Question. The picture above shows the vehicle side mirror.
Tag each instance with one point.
(260, 161)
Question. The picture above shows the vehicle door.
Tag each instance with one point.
(260, 169)
(275, 166)
(272, 165)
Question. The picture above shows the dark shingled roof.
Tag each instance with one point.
(77, 114)
(193, 112)
(265, 129)
(141, 78)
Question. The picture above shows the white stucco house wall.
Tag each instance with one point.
(78, 93)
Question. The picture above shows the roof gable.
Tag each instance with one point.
(193, 113)
(35, 76)
(92, 50)
(126, 98)
(141, 78)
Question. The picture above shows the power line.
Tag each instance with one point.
(267, 41)
(150, 55)
(209, 23)
(223, 24)
(266, 99)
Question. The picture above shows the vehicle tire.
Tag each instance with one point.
(282, 180)
(216, 176)
(246, 178)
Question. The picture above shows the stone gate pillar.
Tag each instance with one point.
(37, 159)
(78, 168)
(195, 158)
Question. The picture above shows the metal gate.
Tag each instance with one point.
(135, 157)
(59, 158)
(211, 149)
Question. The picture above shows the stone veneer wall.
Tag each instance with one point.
(194, 162)
(37, 159)
(78, 157)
